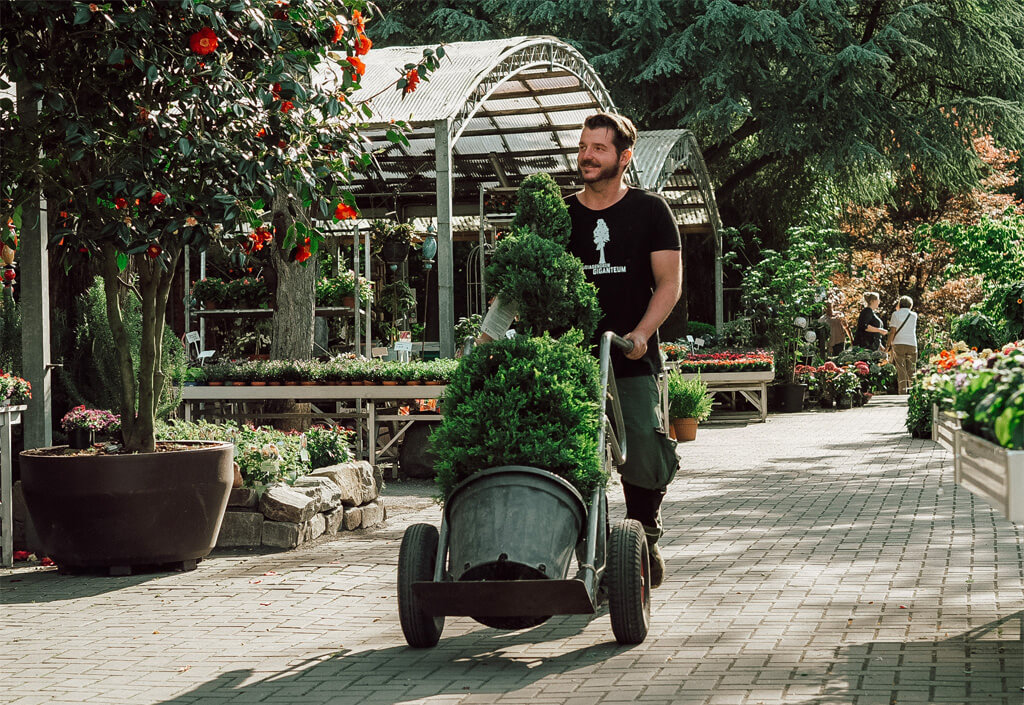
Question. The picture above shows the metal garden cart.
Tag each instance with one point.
(508, 535)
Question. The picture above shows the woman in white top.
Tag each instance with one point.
(903, 342)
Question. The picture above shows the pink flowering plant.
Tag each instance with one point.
(97, 420)
(14, 390)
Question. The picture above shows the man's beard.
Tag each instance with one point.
(605, 173)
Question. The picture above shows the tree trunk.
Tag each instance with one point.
(292, 334)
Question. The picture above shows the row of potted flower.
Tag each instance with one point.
(831, 384)
(984, 389)
(253, 292)
(341, 370)
(14, 391)
(725, 361)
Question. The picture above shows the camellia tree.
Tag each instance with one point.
(154, 125)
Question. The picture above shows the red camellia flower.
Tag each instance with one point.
(357, 64)
(282, 144)
(276, 89)
(10, 275)
(21, 555)
(358, 22)
(287, 105)
(339, 31)
(302, 252)
(153, 251)
(203, 42)
(157, 198)
(345, 212)
(120, 203)
(412, 79)
(363, 45)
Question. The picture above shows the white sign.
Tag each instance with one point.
(205, 354)
(192, 336)
(404, 342)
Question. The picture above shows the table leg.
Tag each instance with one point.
(371, 430)
(6, 492)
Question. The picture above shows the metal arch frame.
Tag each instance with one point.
(523, 57)
(686, 151)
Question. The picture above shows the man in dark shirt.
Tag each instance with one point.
(629, 244)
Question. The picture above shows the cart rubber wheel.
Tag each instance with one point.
(416, 564)
(629, 582)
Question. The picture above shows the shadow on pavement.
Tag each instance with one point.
(484, 661)
(50, 586)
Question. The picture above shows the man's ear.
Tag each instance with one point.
(625, 157)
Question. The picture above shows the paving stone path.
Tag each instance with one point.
(819, 558)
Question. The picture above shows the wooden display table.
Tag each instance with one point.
(753, 386)
(371, 395)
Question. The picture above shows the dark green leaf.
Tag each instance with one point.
(82, 14)
(116, 56)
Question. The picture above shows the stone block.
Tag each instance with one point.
(240, 529)
(334, 520)
(353, 518)
(282, 503)
(243, 497)
(373, 514)
(324, 492)
(288, 534)
(355, 480)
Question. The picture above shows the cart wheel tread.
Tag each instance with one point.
(629, 582)
(416, 558)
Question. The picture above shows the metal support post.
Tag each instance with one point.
(445, 253)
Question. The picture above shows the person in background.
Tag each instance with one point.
(869, 326)
(837, 330)
(903, 341)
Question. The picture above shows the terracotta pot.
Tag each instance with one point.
(118, 511)
(390, 382)
(274, 384)
(686, 429)
(291, 383)
(434, 382)
(413, 383)
(258, 384)
(349, 301)
(307, 383)
(671, 431)
(216, 384)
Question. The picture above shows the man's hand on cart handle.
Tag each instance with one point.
(639, 341)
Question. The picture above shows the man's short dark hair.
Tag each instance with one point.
(622, 128)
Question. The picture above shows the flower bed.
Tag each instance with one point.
(726, 361)
(340, 370)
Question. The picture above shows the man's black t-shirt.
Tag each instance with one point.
(861, 337)
(615, 245)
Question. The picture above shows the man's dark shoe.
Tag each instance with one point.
(657, 565)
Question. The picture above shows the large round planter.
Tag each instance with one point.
(118, 511)
(686, 429)
(513, 523)
(791, 397)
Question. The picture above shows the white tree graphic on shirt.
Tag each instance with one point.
(601, 238)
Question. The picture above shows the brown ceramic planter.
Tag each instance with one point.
(258, 384)
(118, 511)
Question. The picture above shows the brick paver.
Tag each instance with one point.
(818, 558)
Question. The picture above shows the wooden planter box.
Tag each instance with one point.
(992, 472)
(945, 424)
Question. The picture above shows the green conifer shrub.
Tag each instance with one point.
(540, 207)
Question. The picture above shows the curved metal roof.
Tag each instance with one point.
(670, 163)
(515, 106)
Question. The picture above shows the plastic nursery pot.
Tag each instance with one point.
(686, 429)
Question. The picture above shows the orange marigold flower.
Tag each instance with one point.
(363, 45)
(203, 42)
(357, 64)
(345, 212)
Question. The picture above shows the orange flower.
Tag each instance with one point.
(302, 253)
(363, 45)
(358, 22)
(357, 64)
(203, 42)
(339, 31)
(412, 79)
(287, 105)
(345, 212)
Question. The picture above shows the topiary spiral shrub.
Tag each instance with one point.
(546, 283)
(540, 207)
(525, 401)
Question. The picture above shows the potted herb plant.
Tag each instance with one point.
(688, 405)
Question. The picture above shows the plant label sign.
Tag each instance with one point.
(404, 342)
(192, 336)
